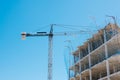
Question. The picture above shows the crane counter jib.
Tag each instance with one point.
(24, 34)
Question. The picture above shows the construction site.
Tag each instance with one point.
(99, 57)
(60, 40)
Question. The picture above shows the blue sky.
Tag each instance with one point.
(27, 60)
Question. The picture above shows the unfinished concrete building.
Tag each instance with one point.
(99, 57)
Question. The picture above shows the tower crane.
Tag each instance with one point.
(50, 40)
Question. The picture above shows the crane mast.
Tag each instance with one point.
(50, 53)
(50, 49)
(50, 44)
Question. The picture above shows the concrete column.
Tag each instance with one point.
(114, 70)
(74, 78)
(106, 55)
(89, 55)
(80, 77)
(108, 70)
(85, 78)
(80, 67)
(106, 51)
(90, 73)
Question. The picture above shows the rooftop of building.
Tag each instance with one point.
(98, 38)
